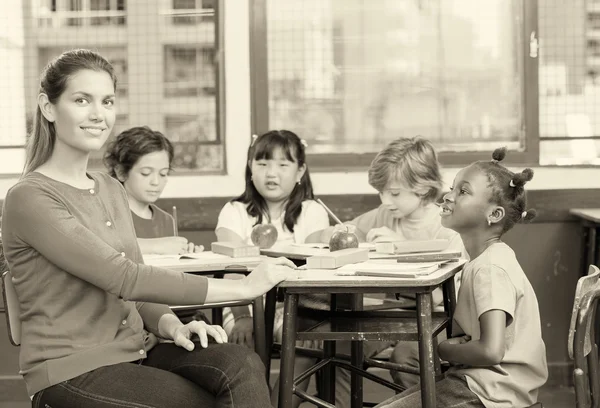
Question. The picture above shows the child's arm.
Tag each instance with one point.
(487, 351)
(226, 235)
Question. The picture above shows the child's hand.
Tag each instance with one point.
(174, 245)
(458, 340)
(382, 234)
(242, 332)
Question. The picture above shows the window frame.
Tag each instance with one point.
(332, 162)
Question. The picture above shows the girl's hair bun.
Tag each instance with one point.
(499, 154)
(529, 215)
(519, 179)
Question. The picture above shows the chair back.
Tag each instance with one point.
(12, 309)
(582, 340)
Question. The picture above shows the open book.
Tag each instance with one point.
(365, 245)
(390, 269)
(206, 256)
(404, 247)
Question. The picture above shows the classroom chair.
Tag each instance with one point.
(581, 344)
(12, 309)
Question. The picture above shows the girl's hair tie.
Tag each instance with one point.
(524, 214)
(304, 143)
(494, 161)
(512, 184)
(254, 137)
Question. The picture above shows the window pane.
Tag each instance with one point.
(166, 73)
(569, 81)
(351, 75)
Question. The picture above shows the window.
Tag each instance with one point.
(349, 76)
(76, 13)
(168, 76)
(569, 82)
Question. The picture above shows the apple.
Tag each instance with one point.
(264, 235)
(343, 239)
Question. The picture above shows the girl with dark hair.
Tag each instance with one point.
(499, 358)
(140, 158)
(278, 191)
(92, 311)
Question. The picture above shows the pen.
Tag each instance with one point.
(336, 219)
(175, 228)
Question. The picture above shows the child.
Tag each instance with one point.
(407, 175)
(500, 360)
(278, 191)
(140, 158)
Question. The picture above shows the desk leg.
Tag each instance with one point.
(328, 376)
(449, 290)
(288, 350)
(270, 305)
(260, 345)
(357, 360)
(426, 352)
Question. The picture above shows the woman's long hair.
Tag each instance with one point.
(53, 82)
(264, 147)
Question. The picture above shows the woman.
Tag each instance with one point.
(92, 312)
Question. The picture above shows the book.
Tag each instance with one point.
(235, 249)
(206, 256)
(332, 260)
(429, 256)
(391, 270)
(364, 245)
(403, 247)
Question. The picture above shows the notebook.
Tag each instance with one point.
(364, 245)
(390, 269)
(404, 247)
(206, 256)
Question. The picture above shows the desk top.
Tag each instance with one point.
(589, 214)
(205, 262)
(326, 278)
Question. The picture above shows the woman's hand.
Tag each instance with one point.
(183, 334)
(382, 234)
(268, 274)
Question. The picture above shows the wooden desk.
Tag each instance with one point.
(590, 222)
(211, 264)
(352, 327)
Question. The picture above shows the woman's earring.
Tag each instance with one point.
(489, 222)
(299, 182)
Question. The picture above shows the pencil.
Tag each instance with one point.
(175, 228)
(336, 219)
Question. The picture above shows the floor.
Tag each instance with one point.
(551, 397)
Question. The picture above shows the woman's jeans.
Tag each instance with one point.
(222, 375)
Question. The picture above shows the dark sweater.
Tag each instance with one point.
(78, 271)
